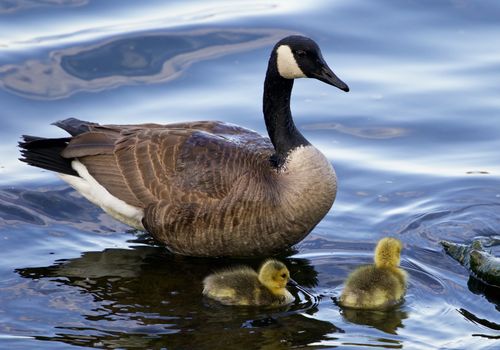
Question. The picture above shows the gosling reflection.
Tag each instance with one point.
(387, 321)
(157, 299)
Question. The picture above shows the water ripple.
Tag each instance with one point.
(144, 59)
(11, 6)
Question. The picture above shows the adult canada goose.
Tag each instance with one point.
(206, 188)
(243, 286)
(377, 286)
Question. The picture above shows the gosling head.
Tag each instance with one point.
(274, 275)
(388, 252)
(300, 57)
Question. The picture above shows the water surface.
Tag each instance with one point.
(415, 146)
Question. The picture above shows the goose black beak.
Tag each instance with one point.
(326, 75)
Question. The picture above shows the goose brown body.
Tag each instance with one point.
(205, 188)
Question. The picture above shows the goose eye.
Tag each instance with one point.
(300, 52)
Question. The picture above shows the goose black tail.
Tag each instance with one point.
(75, 126)
(46, 154)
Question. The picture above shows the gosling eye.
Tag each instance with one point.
(283, 275)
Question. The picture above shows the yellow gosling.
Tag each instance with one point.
(243, 286)
(377, 286)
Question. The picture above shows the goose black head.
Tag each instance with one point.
(300, 57)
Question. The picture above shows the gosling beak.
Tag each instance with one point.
(326, 75)
(291, 282)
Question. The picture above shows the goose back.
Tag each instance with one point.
(145, 163)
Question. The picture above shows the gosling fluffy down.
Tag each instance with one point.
(377, 286)
(243, 286)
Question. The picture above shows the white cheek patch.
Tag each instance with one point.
(287, 65)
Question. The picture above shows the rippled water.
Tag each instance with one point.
(415, 145)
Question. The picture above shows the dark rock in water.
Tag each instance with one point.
(485, 266)
(482, 264)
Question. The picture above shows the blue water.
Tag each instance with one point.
(415, 146)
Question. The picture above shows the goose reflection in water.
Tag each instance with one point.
(155, 297)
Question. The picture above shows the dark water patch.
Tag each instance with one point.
(145, 55)
(12, 213)
(146, 291)
(491, 293)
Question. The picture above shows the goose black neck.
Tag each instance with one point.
(277, 115)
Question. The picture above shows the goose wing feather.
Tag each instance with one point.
(190, 162)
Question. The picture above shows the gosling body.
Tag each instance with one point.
(377, 286)
(243, 286)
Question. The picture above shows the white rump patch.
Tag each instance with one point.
(287, 65)
(88, 187)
